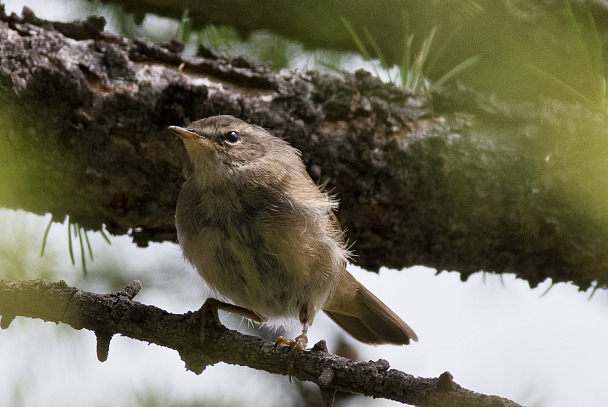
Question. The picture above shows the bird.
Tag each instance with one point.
(265, 238)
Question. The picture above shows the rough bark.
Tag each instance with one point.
(202, 341)
(472, 183)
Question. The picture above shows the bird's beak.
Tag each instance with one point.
(183, 133)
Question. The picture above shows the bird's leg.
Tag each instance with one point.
(301, 341)
(212, 305)
(298, 344)
(307, 314)
(209, 312)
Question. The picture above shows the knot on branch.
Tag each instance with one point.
(132, 314)
(131, 289)
(320, 346)
(382, 365)
(445, 382)
(328, 397)
(5, 321)
(326, 377)
(103, 345)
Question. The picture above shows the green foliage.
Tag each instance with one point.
(260, 46)
(217, 37)
(75, 231)
(184, 28)
(588, 48)
(464, 65)
(412, 71)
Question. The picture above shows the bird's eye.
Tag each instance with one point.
(232, 137)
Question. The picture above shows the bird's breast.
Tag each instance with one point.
(258, 253)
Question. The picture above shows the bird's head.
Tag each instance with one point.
(224, 147)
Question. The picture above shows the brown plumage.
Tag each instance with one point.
(360, 313)
(264, 236)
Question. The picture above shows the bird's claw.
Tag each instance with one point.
(295, 347)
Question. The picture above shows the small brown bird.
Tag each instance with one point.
(264, 236)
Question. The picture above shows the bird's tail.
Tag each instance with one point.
(360, 313)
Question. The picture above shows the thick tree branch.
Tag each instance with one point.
(473, 183)
(201, 342)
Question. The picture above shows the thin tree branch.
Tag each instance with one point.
(201, 341)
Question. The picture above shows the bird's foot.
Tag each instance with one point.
(295, 347)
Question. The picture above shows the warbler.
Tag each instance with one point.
(265, 238)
